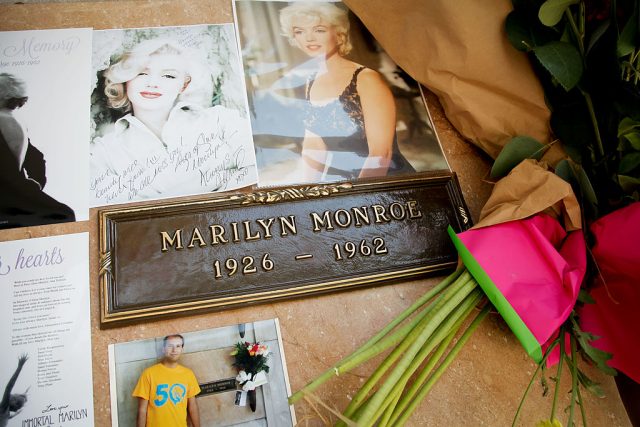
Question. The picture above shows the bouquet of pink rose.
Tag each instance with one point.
(566, 283)
(531, 270)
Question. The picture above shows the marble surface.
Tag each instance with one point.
(484, 384)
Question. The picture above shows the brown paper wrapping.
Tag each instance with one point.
(489, 92)
(459, 50)
(531, 188)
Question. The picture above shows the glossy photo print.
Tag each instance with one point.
(326, 102)
(228, 376)
(169, 114)
(44, 127)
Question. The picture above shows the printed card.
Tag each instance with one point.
(46, 374)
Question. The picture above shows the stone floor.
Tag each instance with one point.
(482, 387)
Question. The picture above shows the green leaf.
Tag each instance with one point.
(627, 125)
(588, 336)
(515, 151)
(626, 41)
(543, 381)
(545, 386)
(585, 186)
(563, 170)
(598, 356)
(589, 384)
(628, 163)
(551, 11)
(574, 174)
(634, 139)
(629, 184)
(597, 34)
(567, 35)
(518, 32)
(563, 61)
(525, 33)
(568, 124)
(584, 297)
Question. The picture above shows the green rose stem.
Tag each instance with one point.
(444, 365)
(409, 396)
(574, 380)
(636, 57)
(632, 69)
(452, 298)
(394, 409)
(458, 317)
(594, 122)
(579, 36)
(556, 390)
(576, 397)
(400, 406)
(361, 396)
(452, 323)
(431, 294)
(386, 364)
(379, 342)
(456, 277)
(533, 377)
(416, 305)
(582, 412)
(386, 416)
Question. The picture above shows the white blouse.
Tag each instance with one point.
(201, 150)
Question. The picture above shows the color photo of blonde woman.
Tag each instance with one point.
(350, 112)
(168, 139)
(343, 112)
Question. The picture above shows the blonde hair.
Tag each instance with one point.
(13, 93)
(133, 61)
(320, 11)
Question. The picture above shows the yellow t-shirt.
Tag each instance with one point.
(167, 390)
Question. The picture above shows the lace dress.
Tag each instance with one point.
(340, 123)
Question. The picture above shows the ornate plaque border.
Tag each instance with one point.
(112, 313)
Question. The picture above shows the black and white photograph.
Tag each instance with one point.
(169, 114)
(44, 128)
(327, 103)
(228, 376)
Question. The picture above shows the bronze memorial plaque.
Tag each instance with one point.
(238, 249)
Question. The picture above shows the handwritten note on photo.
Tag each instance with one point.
(169, 114)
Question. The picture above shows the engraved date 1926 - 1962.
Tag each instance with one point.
(249, 265)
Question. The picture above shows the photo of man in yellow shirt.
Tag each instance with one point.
(167, 391)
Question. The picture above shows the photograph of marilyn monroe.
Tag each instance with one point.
(23, 173)
(169, 114)
(44, 126)
(348, 107)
